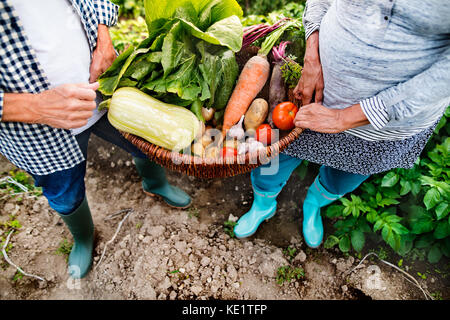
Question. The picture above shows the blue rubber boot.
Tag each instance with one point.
(81, 227)
(263, 208)
(155, 183)
(316, 198)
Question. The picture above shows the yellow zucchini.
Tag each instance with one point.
(168, 126)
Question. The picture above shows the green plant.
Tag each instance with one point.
(130, 8)
(292, 72)
(193, 212)
(17, 276)
(289, 273)
(64, 249)
(229, 228)
(19, 177)
(290, 252)
(12, 225)
(408, 208)
(437, 295)
(262, 7)
(128, 32)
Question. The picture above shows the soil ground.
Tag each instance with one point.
(164, 253)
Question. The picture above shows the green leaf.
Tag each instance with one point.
(227, 32)
(406, 187)
(217, 10)
(442, 230)
(390, 179)
(406, 244)
(432, 198)
(378, 225)
(331, 242)
(415, 187)
(372, 216)
(344, 244)
(435, 254)
(334, 211)
(424, 241)
(391, 237)
(109, 84)
(358, 240)
(399, 229)
(369, 188)
(442, 210)
(423, 225)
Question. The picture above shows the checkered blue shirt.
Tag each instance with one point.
(39, 149)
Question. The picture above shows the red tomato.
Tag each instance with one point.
(227, 152)
(264, 134)
(284, 114)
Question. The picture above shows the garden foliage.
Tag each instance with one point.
(408, 208)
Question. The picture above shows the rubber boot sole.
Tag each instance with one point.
(157, 196)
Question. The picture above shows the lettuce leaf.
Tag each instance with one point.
(189, 55)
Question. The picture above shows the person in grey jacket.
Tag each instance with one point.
(375, 83)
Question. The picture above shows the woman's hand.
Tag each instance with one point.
(318, 118)
(311, 80)
(103, 56)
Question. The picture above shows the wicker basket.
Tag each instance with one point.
(216, 168)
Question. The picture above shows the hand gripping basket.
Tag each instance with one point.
(221, 167)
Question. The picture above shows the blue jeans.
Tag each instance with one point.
(65, 190)
(333, 180)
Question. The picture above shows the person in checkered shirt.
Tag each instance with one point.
(53, 52)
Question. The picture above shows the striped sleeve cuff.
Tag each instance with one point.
(375, 111)
(1, 104)
(310, 29)
(107, 12)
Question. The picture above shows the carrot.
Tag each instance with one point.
(251, 81)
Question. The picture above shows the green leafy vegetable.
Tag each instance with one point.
(188, 56)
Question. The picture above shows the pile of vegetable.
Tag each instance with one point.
(180, 88)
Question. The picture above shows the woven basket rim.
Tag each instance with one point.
(259, 156)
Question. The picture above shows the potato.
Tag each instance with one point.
(212, 152)
(201, 132)
(198, 149)
(256, 114)
(206, 140)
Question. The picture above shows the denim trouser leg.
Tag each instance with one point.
(264, 181)
(65, 190)
(340, 182)
(334, 180)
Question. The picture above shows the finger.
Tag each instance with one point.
(298, 90)
(77, 105)
(91, 86)
(301, 124)
(77, 124)
(319, 95)
(85, 94)
(307, 95)
(94, 71)
(94, 76)
(81, 116)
